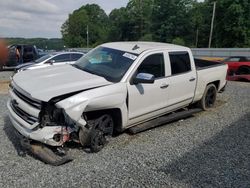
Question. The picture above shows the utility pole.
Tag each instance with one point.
(141, 19)
(212, 26)
(87, 36)
(197, 37)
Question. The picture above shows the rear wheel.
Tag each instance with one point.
(208, 99)
(243, 70)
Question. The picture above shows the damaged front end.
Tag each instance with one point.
(43, 127)
(60, 127)
(63, 129)
(55, 128)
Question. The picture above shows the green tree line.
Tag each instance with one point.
(185, 22)
(43, 43)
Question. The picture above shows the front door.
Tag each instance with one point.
(148, 100)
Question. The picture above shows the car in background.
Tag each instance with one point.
(238, 68)
(20, 54)
(42, 52)
(56, 58)
(217, 59)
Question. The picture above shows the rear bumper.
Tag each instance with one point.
(44, 135)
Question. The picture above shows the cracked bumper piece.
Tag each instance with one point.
(44, 135)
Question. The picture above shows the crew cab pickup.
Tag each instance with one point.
(114, 87)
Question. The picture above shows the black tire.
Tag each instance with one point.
(243, 70)
(97, 141)
(209, 97)
(102, 129)
(84, 137)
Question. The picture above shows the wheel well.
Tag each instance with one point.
(115, 113)
(216, 83)
(243, 69)
(244, 66)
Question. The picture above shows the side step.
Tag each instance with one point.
(163, 119)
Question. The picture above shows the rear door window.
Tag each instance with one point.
(75, 57)
(180, 62)
(234, 59)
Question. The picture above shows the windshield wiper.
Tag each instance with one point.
(88, 71)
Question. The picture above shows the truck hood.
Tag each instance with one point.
(47, 83)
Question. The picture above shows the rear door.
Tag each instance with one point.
(182, 80)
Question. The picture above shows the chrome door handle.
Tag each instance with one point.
(163, 86)
(192, 79)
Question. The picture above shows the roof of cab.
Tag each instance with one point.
(138, 47)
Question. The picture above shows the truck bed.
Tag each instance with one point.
(209, 72)
(204, 64)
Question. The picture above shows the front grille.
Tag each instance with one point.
(25, 116)
(30, 101)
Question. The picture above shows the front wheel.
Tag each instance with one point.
(102, 129)
(208, 99)
(96, 133)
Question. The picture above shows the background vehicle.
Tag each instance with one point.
(27, 53)
(116, 86)
(218, 59)
(238, 68)
(57, 58)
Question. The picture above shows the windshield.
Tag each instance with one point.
(43, 58)
(106, 62)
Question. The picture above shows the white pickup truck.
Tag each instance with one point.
(116, 86)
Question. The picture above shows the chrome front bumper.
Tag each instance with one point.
(44, 135)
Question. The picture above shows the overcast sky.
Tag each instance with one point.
(42, 18)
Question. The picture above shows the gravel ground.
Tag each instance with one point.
(4, 81)
(5, 75)
(211, 149)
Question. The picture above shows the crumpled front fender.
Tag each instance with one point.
(107, 97)
(74, 107)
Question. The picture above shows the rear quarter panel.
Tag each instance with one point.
(209, 75)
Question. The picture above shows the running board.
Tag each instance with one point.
(163, 119)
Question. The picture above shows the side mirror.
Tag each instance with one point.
(144, 78)
(50, 62)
